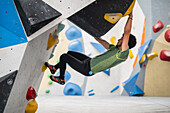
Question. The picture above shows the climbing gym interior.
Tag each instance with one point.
(33, 32)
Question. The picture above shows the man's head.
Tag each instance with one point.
(131, 43)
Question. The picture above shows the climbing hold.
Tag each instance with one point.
(107, 72)
(157, 27)
(114, 89)
(123, 84)
(44, 68)
(51, 56)
(49, 75)
(165, 55)
(152, 55)
(130, 54)
(31, 94)
(137, 91)
(51, 41)
(167, 35)
(112, 17)
(50, 82)
(31, 107)
(60, 27)
(144, 65)
(142, 50)
(113, 40)
(72, 89)
(99, 47)
(130, 8)
(91, 94)
(90, 91)
(47, 91)
(75, 46)
(130, 84)
(143, 59)
(58, 61)
(73, 33)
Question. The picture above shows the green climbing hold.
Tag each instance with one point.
(47, 91)
(50, 82)
(58, 61)
(49, 75)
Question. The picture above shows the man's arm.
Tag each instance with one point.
(103, 42)
(127, 31)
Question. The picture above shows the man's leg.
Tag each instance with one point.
(76, 64)
(77, 55)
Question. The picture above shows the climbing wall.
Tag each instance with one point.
(66, 43)
(156, 76)
(110, 81)
(23, 46)
(102, 83)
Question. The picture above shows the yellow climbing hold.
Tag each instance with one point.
(44, 68)
(123, 84)
(152, 55)
(130, 8)
(130, 54)
(113, 40)
(143, 58)
(51, 41)
(31, 107)
(112, 17)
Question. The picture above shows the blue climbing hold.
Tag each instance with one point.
(90, 91)
(142, 50)
(72, 89)
(73, 33)
(75, 46)
(130, 84)
(99, 47)
(91, 94)
(67, 75)
(137, 91)
(114, 89)
(107, 72)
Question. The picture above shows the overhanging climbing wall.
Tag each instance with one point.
(91, 19)
(32, 50)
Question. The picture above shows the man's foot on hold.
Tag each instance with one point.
(52, 68)
(57, 79)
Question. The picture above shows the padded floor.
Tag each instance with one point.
(102, 104)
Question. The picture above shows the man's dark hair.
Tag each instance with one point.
(132, 41)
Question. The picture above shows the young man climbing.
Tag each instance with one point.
(90, 66)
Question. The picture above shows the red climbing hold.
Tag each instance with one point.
(31, 94)
(157, 27)
(165, 55)
(144, 65)
(167, 35)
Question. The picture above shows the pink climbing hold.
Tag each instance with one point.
(165, 55)
(157, 27)
(167, 35)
